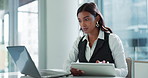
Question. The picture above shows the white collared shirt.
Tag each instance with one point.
(89, 51)
(116, 49)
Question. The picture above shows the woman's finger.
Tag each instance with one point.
(76, 72)
(103, 61)
(97, 61)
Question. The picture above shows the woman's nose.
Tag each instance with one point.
(82, 24)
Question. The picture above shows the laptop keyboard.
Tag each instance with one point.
(50, 72)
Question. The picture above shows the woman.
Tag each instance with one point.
(98, 44)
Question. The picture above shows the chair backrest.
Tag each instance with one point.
(130, 67)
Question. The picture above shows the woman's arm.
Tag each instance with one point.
(118, 55)
(73, 55)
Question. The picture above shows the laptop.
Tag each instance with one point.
(25, 64)
(96, 69)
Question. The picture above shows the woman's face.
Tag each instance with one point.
(87, 22)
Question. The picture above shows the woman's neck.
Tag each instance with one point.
(92, 37)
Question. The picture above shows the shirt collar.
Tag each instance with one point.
(101, 36)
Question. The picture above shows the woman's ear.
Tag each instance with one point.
(97, 17)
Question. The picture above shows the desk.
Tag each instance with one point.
(19, 75)
(89, 77)
(94, 77)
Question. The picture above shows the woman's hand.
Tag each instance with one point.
(102, 61)
(76, 72)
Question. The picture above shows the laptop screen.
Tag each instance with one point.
(23, 60)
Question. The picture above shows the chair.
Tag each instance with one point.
(130, 67)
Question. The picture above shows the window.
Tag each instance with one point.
(4, 19)
(25, 31)
(129, 20)
(28, 28)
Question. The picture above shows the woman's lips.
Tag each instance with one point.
(84, 29)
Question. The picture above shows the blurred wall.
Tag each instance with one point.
(58, 29)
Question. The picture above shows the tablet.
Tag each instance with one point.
(96, 69)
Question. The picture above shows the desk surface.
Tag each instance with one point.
(89, 77)
(19, 75)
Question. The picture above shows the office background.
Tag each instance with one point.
(48, 29)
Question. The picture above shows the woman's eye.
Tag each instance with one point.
(79, 21)
(86, 19)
